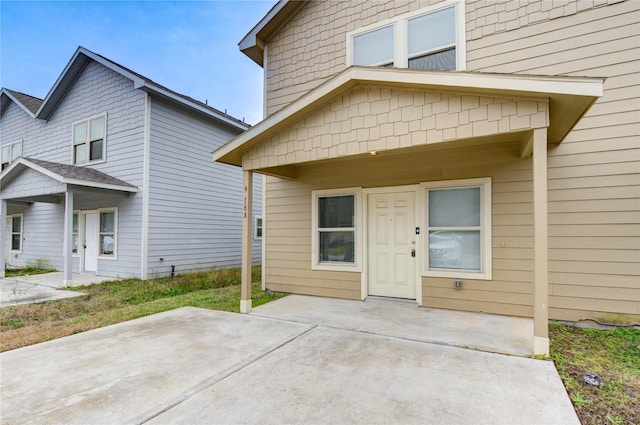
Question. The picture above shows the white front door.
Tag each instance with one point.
(391, 240)
(92, 222)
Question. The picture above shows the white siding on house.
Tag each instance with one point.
(195, 206)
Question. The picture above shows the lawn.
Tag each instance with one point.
(614, 355)
(116, 301)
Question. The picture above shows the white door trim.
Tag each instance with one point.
(364, 199)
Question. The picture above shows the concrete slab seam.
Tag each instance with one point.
(434, 342)
(211, 381)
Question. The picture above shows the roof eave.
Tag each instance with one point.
(150, 88)
(252, 44)
(71, 72)
(4, 103)
(571, 95)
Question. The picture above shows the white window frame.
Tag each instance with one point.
(315, 240)
(88, 141)
(11, 145)
(401, 42)
(11, 233)
(77, 253)
(115, 234)
(485, 272)
(256, 227)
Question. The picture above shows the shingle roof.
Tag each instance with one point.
(30, 102)
(185, 97)
(79, 173)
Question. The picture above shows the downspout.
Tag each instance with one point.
(3, 228)
(144, 251)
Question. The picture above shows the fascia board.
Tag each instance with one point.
(13, 99)
(476, 83)
(67, 78)
(192, 105)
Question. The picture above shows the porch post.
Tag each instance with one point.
(541, 244)
(247, 213)
(68, 238)
(3, 235)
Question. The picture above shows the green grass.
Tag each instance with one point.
(613, 355)
(27, 271)
(116, 301)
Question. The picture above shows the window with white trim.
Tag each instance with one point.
(257, 227)
(335, 230)
(9, 153)
(16, 233)
(458, 229)
(107, 233)
(88, 139)
(430, 38)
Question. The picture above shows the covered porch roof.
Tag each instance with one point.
(35, 180)
(568, 99)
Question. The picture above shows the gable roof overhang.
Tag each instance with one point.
(253, 43)
(569, 98)
(28, 104)
(82, 57)
(82, 179)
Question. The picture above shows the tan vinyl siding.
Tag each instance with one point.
(594, 174)
(311, 47)
(288, 230)
(288, 246)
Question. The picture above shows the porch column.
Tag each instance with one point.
(68, 238)
(247, 213)
(3, 235)
(541, 244)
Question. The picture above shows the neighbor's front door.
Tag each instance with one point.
(391, 240)
(92, 221)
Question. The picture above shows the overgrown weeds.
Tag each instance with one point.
(116, 301)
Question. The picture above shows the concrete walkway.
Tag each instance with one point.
(197, 366)
(42, 287)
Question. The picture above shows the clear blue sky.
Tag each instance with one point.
(188, 46)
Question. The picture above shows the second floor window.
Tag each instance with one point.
(89, 140)
(430, 38)
(10, 152)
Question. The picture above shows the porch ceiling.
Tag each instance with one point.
(568, 99)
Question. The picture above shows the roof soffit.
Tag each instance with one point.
(252, 44)
(569, 98)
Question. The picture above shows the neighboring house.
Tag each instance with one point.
(111, 174)
(479, 156)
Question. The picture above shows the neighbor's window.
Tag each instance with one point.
(458, 229)
(107, 234)
(430, 38)
(335, 225)
(16, 233)
(89, 140)
(74, 234)
(10, 152)
(257, 228)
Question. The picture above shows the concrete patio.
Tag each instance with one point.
(42, 287)
(197, 366)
